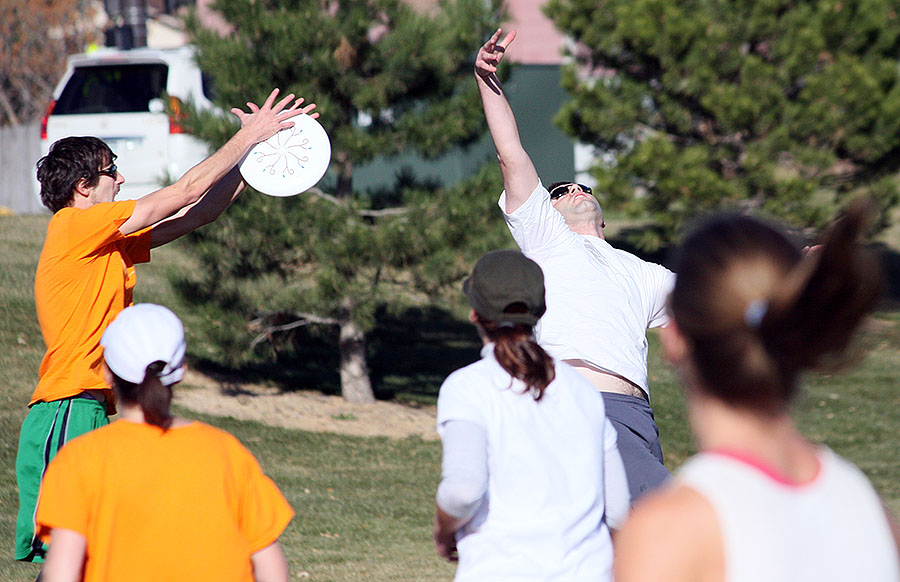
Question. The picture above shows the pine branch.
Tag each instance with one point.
(647, 70)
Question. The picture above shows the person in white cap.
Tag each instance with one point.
(531, 478)
(152, 496)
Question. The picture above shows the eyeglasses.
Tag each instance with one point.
(563, 189)
(112, 172)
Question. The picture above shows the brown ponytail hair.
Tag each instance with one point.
(154, 397)
(757, 311)
(518, 354)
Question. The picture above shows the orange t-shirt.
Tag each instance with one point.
(190, 503)
(84, 278)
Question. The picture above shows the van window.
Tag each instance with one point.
(209, 86)
(112, 89)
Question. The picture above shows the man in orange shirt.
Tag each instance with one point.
(86, 275)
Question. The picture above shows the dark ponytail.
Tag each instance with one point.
(817, 308)
(757, 311)
(154, 397)
(521, 356)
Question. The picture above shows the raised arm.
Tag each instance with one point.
(206, 210)
(210, 206)
(256, 126)
(519, 176)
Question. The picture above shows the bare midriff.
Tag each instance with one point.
(605, 381)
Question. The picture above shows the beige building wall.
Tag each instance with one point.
(537, 41)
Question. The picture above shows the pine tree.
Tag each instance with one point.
(386, 79)
(780, 106)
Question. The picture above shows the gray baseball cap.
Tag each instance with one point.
(506, 285)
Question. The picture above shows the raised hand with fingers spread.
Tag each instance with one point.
(272, 117)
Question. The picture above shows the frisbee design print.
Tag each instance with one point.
(291, 161)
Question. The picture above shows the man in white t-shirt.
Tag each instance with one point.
(600, 300)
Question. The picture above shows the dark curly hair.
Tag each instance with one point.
(69, 161)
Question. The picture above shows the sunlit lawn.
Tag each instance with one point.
(364, 505)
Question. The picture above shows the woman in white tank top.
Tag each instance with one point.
(750, 313)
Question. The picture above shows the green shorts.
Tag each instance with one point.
(48, 426)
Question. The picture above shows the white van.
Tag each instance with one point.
(118, 96)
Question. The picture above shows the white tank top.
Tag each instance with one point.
(831, 529)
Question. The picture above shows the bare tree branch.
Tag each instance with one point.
(303, 319)
(8, 108)
(35, 38)
(396, 211)
(318, 192)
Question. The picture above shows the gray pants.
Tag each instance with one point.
(638, 442)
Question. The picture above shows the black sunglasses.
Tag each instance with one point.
(111, 171)
(563, 189)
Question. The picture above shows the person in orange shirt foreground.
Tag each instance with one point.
(86, 275)
(155, 497)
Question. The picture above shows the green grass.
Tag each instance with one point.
(364, 505)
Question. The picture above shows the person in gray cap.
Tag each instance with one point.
(531, 477)
(600, 300)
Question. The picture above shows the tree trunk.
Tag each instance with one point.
(344, 165)
(355, 383)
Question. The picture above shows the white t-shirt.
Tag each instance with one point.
(833, 529)
(600, 300)
(551, 465)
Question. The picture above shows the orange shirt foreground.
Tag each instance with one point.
(190, 503)
(84, 278)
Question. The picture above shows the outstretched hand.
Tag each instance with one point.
(264, 122)
(490, 55)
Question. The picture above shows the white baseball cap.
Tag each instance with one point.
(143, 334)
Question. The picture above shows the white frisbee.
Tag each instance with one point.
(291, 161)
